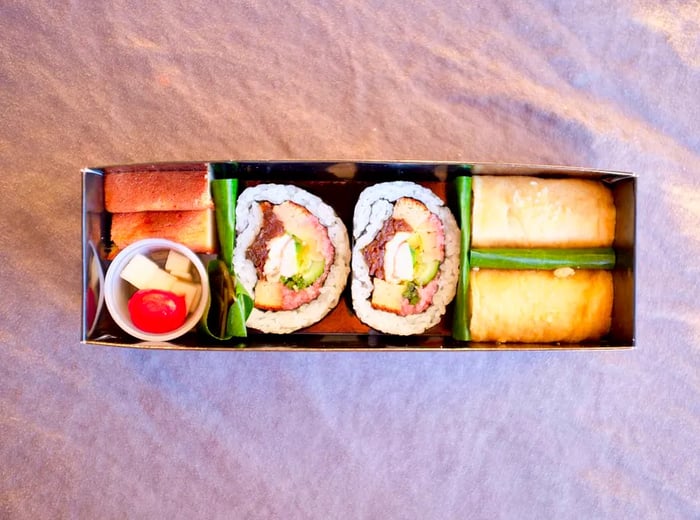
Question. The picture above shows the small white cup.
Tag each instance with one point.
(118, 291)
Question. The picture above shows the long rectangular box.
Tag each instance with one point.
(339, 184)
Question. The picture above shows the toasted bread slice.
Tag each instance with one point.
(193, 229)
(127, 192)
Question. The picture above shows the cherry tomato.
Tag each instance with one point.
(156, 311)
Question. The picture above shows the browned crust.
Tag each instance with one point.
(194, 229)
(157, 191)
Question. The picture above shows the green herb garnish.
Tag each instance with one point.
(295, 282)
(410, 292)
(229, 303)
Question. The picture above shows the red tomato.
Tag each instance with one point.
(156, 311)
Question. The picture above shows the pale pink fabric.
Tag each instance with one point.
(88, 432)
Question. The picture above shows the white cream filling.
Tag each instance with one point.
(281, 258)
(398, 260)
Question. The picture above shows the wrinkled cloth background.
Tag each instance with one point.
(97, 432)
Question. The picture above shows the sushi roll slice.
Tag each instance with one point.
(292, 255)
(405, 259)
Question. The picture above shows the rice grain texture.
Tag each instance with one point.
(248, 223)
(373, 208)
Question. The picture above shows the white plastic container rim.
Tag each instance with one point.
(116, 290)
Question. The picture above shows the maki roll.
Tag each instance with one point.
(405, 258)
(292, 254)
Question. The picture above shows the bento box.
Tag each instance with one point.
(479, 271)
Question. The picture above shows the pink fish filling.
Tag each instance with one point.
(426, 294)
(374, 256)
(278, 296)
